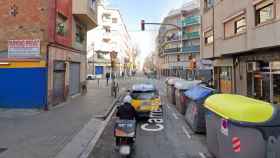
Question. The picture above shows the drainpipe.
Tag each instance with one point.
(46, 108)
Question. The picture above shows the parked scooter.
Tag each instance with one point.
(125, 136)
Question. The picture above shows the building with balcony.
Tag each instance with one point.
(179, 48)
(43, 51)
(110, 36)
(243, 41)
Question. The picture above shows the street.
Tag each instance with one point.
(175, 140)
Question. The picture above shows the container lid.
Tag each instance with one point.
(172, 81)
(143, 87)
(185, 85)
(198, 93)
(239, 108)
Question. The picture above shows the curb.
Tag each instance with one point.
(107, 117)
(110, 109)
(87, 152)
(84, 141)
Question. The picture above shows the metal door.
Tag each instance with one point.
(74, 79)
(58, 82)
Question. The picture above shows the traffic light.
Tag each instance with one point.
(193, 64)
(178, 57)
(143, 25)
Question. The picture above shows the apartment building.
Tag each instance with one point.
(43, 50)
(110, 36)
(243, 40)
(179, 47)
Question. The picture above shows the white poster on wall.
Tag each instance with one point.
(24, 48)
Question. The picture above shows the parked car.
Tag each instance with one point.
(145, 98)
(91, 77)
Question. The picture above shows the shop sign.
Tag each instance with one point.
(24, 48)
(205, 64)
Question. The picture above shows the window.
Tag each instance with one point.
(235, 26)
(61, 24)
(209, 38)
(107, 29)
(209, 4)
(93, 4)
(264, 12)
(114, 20)
(106, 17)
(80, 34)
(240, 26)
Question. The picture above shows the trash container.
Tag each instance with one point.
(243, 127)
(180, 98)
(195, 111)
(171, 90)
(167, 85)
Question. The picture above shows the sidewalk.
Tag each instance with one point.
(45, 134)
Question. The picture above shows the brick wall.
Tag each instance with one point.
(31, 21)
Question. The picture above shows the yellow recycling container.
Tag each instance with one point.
(242, 127)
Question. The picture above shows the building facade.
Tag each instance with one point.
(110, 36)
(179, 47)
(243, 41)
(43, 50)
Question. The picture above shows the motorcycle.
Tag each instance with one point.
(125, 136)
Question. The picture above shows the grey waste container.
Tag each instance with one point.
(195, 112)
(171, 90)
(180, 98)
(242, 127)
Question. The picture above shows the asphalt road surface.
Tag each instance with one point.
(175, 140)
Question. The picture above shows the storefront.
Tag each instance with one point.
(260, 72)
(223, 75)
(67, 74)
(263, 80)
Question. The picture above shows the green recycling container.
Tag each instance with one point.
(242, 127)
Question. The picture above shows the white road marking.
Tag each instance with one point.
(168, 106)
(186, 132)
(202, 155)
(175, 116)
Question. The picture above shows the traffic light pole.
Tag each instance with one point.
(143, 23)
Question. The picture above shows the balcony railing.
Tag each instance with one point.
(172, 50)
(191, 35)
(191, 49)
(193, 20)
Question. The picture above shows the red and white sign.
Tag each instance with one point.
(24, 48)
(236, 144)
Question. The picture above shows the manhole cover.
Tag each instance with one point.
(3, 149)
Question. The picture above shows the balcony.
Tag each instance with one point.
(191, 35)
(172, 50)
(86, 11)
(189, 21)
(191, 49)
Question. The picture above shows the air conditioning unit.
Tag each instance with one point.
(253, 66)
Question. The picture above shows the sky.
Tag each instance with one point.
(133, 11)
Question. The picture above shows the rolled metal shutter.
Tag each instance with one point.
(74, 80)
(58, 82)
